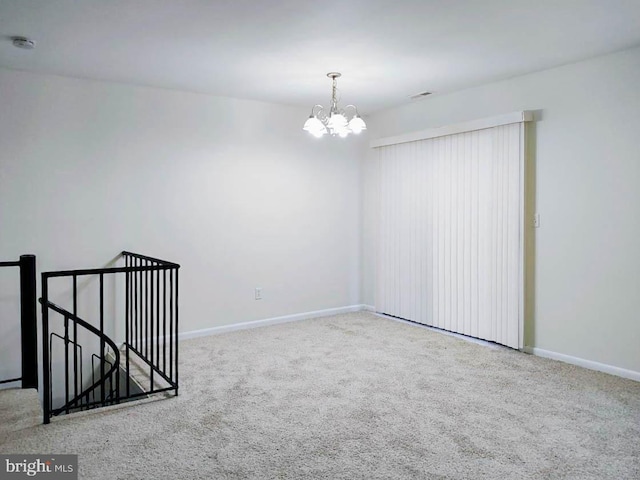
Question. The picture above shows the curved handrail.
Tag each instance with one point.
(94, 330)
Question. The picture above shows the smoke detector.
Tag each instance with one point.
(419, 95)
(23, 42)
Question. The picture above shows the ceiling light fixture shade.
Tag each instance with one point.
(336, 123)
(357, 125)
(314, 126)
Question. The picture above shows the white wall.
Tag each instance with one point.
(587, 254)
(88, 169)
(232, 190)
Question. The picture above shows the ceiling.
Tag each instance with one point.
(280, 50)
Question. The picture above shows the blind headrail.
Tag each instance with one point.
(470, 126)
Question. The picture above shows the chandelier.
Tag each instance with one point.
(335, 123)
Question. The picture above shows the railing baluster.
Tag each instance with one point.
(66, 362)
(78, 347)
(50, 370)
(46, 359)
(176, 332)
(134, 341)
(127, 296)
(141, 333)
(117, 374)
(150, 339)
(102, 345)
(157, 339)
(75, 338)
(93, 376)
(146, 310)
(141, 313)
(171, 324)
(164, 320)
(135, 304)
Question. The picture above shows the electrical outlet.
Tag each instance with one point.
(536, 220)
(258, 293)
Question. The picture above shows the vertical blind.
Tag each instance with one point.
(449, 232)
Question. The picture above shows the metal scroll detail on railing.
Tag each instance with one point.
(82, 399)
(142, 361)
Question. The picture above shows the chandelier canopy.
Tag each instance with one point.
(320, 123)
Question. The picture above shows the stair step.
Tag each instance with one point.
(138, 370)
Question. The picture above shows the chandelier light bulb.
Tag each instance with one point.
(335, 122)
(308, 125)
(314, 126)
(357, 125)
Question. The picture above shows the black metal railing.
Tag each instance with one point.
(81, 395)
(28, 327)
(145, 363)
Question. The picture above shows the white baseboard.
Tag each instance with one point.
(270, 321)
(368, 308)
(8, 385)
(581, 362)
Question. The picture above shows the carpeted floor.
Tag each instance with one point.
(358, 396)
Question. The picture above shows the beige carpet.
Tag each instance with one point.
(358, 397)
